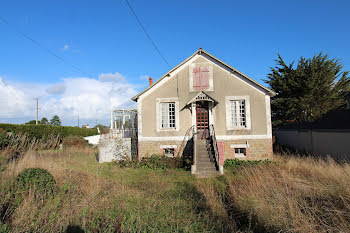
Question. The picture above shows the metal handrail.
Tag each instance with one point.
(212, 136)
(186, 138)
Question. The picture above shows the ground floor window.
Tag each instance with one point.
(169, 152)
(240, 152)
(168, 115)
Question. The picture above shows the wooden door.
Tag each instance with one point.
(202, 119)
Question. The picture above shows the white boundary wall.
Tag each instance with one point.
(114, 149)
(335, 144)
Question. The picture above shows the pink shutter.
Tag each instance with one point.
(204, 78)
(200, 78)
(196, 78)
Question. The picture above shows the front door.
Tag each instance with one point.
(202, 119)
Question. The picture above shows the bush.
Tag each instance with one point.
(3, 139)
(74, 141)
(235, 163)
(39, 179)
(155, 162)
(44, 131)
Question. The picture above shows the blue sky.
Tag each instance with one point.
(103, 38)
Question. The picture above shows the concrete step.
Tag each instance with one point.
(205, 165)
(203, 158)
(202, 152)
(207, 174)
(206, 169)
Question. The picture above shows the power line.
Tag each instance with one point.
(17, 99)
(145, 31)
(44, 48)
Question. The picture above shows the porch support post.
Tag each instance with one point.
(210, 108)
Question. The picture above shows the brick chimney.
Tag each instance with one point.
(150, 81)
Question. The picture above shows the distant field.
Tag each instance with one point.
(294, 194)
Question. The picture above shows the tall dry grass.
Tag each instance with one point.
(292, 195)
(82, 199)
(295, 195)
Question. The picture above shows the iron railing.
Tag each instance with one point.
(212, 143)
(189, 134)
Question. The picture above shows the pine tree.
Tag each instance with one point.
(44, 121)
(55, 120)
(314, 87)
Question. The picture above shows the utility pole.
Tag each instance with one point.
(78, 121)
(37, 110)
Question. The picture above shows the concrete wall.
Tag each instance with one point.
(335, 144)
(114, 149)
(93, 139)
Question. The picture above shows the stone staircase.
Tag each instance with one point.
(204, 167)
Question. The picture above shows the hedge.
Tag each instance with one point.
(42, 131)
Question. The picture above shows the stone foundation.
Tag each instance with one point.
(256, 148)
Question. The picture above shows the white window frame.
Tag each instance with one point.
(159, 117)
(240, 146)
(229, 125)
(209, 65)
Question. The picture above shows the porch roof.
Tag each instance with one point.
(202, 96)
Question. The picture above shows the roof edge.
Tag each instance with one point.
(200, 51)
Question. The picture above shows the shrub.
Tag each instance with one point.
(235, 163)
(154, 162)
(74, 141)
(43, 131)
(3, 139)
(40, 179)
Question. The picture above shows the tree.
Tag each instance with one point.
(55, 120)
(314, 87)
(44, 121)
(32, 122)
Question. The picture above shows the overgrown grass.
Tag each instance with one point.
(293, 194)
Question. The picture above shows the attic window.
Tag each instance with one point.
(200, 78)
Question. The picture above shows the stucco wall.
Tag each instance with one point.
(335, 144)
(225, 84)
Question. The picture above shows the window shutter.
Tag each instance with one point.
(196, 78)
(204, 73)
(200, 78)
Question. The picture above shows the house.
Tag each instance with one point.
(206, 109)
(327, 136)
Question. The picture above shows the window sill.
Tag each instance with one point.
(238, 128)
(168, 129)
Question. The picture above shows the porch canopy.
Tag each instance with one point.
(202, 96)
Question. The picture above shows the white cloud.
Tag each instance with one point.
(65, 47)
(109, 77)
(56, 89)
(144, 77)
(87, 98)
